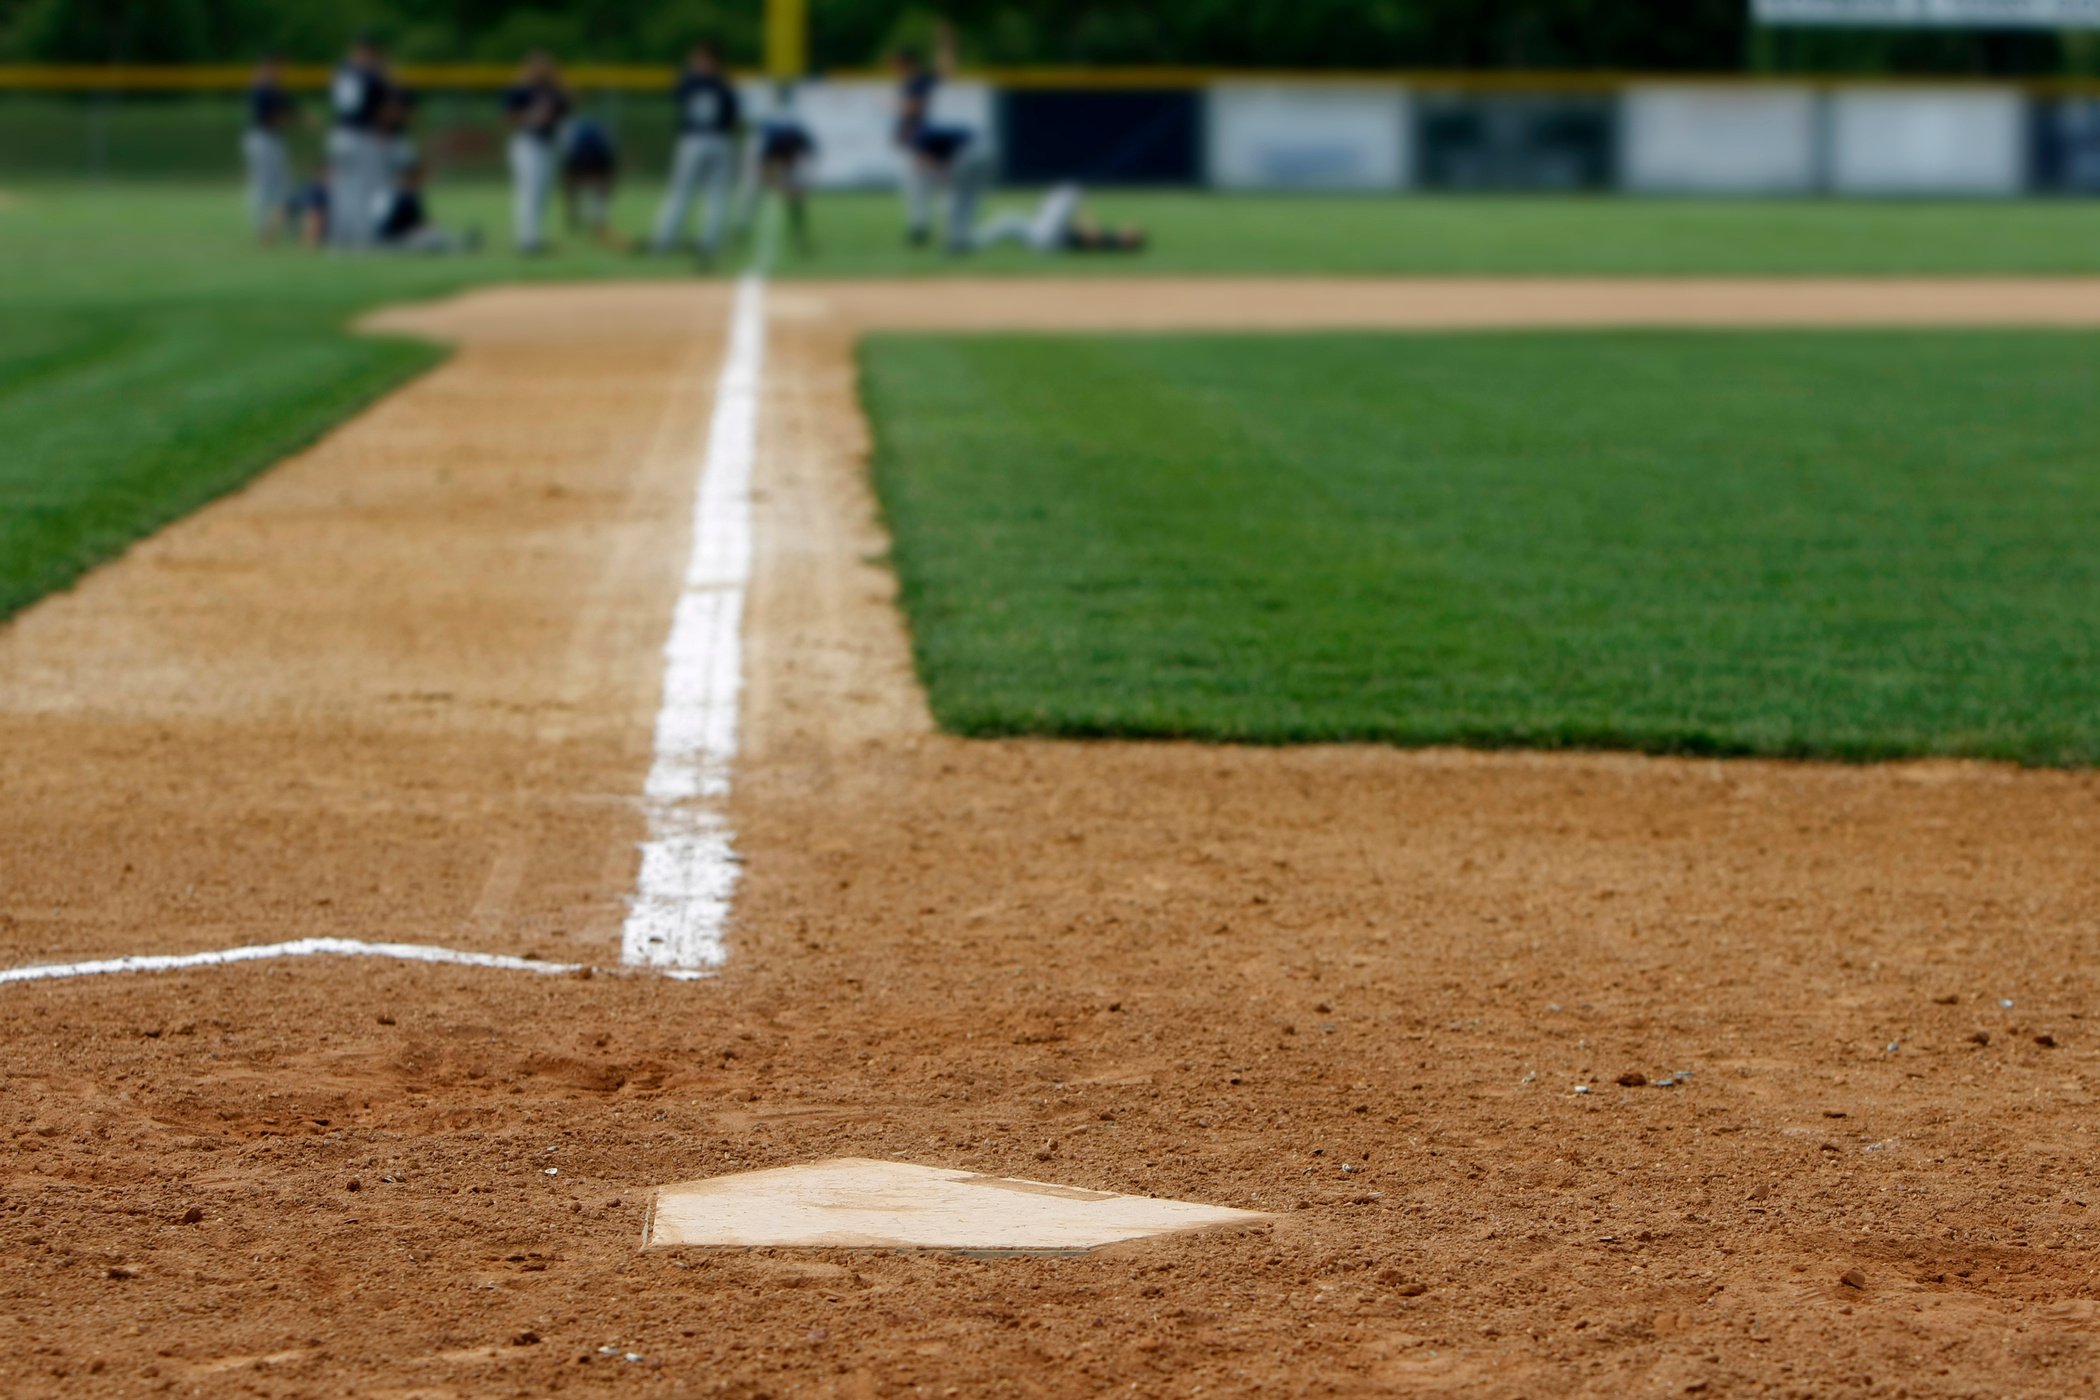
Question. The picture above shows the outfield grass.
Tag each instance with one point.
(1851, 545)
(152, 358)
(1516, 237)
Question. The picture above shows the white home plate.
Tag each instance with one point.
(853, 1202)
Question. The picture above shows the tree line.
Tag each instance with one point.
(1625, 35)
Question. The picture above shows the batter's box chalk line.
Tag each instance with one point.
(678, 915)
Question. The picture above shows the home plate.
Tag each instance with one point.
(858, 1203)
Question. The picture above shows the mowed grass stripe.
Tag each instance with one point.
(1835, 544)
(154, 416)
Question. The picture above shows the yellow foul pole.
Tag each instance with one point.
(787, 39)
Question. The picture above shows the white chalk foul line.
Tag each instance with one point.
(680, 909)
(689, 865)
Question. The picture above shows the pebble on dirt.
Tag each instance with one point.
(1633, 1079)
(1980, 1037)
(1853, 1278)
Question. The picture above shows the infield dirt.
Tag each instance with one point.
(402, 687)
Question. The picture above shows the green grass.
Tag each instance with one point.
(1512, 236)
(1850, 545)
(152, 359)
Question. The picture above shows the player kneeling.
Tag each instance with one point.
(402, 222)
(590, 173)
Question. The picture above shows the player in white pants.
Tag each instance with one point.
(782, 153)
(357, 151)
(1044, 230)
(1059, 225)
(536, 104)
(937, 157)
(705, 160)
(270, 113)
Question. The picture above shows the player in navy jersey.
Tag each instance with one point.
(937, 156)
(917, 81)
(536, 104)
(709, 116)
(402, 223)
(270, 115)
(396, 128)
(590, 168)
(782, 149)
(357, 149)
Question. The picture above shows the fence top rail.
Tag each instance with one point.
(148, 78)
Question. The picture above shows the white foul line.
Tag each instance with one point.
(297, 948)
(680, 908)
(689, 868)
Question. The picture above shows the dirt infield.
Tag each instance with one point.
(402, 687)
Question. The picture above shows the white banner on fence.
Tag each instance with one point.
(1285, 136)
(1687, 139)
(1923, 142)
(1962, 14)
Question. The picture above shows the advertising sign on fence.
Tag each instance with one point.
(1265, 136)
(1960, 14)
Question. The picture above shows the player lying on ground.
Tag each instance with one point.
(1060, 224)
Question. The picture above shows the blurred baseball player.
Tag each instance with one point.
(1060, 224)
(537, 105)
(396, 127)
(937, 156)
(403, 221)
(784, 148)
(306, 212)
(357, 150)
(270, 114)
(590, 170)
(709, 116)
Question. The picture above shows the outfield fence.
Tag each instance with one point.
(1365, 132)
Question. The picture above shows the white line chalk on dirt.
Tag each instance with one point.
(676, 920)
(689, 865)
(296, 948)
